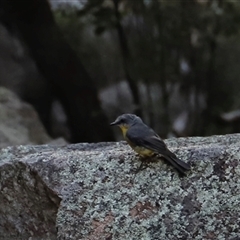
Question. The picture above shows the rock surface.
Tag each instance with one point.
(92, 191)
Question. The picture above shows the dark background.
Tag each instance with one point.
(174, 63)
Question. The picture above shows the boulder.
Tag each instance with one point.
(94, 191)
(19, 122)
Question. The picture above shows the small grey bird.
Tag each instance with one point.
(145, 141)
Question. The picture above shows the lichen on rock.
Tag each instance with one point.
(93, 191)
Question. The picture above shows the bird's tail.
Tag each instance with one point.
(181, 166)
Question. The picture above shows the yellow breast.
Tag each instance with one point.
(143, 151)
(124, 130)
(140, 150)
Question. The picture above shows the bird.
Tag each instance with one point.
(145, 141)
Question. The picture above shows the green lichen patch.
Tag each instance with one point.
(104, 197)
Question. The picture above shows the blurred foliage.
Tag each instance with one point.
(192, 46)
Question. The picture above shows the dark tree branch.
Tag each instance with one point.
(126, 59)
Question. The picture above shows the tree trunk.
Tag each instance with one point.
(126, 60)
(60, 66)
(162, 63)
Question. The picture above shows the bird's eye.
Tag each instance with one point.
(121, 121)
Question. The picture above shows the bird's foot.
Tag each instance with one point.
(142, 166)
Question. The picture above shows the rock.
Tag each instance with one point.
(92, 191)
(19, 123)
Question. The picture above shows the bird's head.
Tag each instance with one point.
(125, 121)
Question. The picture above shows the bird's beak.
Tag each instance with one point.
(114, 123)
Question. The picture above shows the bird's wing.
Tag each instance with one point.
(149, 139)
(146, 137)
(156, 144)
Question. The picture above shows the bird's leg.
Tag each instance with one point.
(141, 167)
(144, 161)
